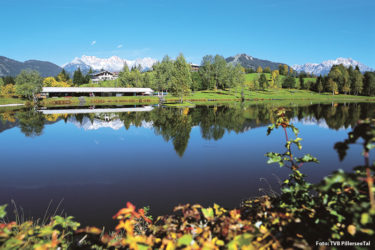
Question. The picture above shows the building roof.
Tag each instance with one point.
(101, 72)
(95, 90)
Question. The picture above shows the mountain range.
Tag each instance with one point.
(323, 68)
(113, 63)
(10, 67)
(247, 61)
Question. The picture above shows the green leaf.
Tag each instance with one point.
(142, 247)
(65, 222)
(365, 218)
(295, 130)
(275, 158)
(340, 218)
(208, 213)
(46, 231)
(2, 211)
(12, 243)
(185, 240)
(240, 240)
(307, 158)
(297, 141)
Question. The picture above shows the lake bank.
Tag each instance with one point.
(230, 95)
(202, 98)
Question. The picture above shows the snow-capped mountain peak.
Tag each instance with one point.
(323, 68)
(113, 63)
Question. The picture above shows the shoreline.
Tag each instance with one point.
(204, 97)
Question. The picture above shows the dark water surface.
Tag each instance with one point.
(96, 162)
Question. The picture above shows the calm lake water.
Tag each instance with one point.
(95, 160)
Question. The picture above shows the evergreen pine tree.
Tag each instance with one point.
(78, 78)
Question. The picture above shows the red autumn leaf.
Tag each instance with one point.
(130, 209)
(55, 241)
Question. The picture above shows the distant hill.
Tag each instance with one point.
(323, 68)
(10, 67)
(247, 61)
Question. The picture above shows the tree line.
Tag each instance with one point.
(346, 81)
(177, 78)
(340, 80)
(29, 83)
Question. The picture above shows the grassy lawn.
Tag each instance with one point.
(274, 94)
(249, 78)
(211, 96)
(4, 100)
(295, 94)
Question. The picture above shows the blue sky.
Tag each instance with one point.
(289, 31)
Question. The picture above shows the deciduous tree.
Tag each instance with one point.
(196, 83)
(263, 82)
(123, 76)
(275, 76)
(332, 85)
(148, 80)
(51, 82)
(291, 71)
(369, 84)
(357, 82)
(163, 73)
(28, 84)
(181, 77)
(283, 69)
(340, 76)
(206, 72)
(7, 90)
(216, 73)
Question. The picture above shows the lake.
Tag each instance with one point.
(93, 160)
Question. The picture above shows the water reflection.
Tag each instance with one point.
(175, 124)
(162, 157)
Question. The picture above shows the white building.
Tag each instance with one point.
(91, 91)
(103, 76)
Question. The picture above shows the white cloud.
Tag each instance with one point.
(93, 42)
(119, 46)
